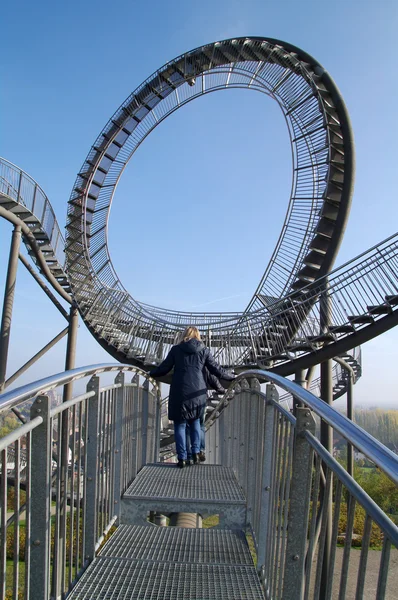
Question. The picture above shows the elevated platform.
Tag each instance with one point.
(203, 489)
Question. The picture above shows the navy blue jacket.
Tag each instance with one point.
(188, 390)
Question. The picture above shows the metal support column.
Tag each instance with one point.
(301, 380)
(40, 522)
(350, 415)
(326, 370)
(8, 303)
(71, 349)
(300, 492)
(350, 409)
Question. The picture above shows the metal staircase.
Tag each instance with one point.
(169, 562)
(173, 562)
(22, 197)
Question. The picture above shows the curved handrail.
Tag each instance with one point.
(358, 437)
(30, 390)
(22, 188)
(19, 188)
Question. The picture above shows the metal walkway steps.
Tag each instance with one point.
(175, 544)
(203, 489)
(171, 563)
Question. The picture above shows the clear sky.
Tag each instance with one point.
(200, 206)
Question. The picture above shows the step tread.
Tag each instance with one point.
(360, 319)
(379, 309)
(176, 544)
(200, 483)
(125, 579)
(392, 299)
(342, 328)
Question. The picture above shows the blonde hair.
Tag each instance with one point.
(189, 333)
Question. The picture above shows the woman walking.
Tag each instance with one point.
(188, 389)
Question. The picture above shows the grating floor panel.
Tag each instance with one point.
(200, 483)
(123, 579)
(175, 544)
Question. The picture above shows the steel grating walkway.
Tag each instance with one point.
(200, 483)
(170, 563)
(201, 489)
(174, 544)
(116, 578)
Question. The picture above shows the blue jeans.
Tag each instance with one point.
(202, 435)
(180, 437)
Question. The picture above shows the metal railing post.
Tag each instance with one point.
(91, 470)
(117, 485)
(145, 415)
(40, 522)
(64, 443)
(135, 427)
(158, 418)
(241, 431)
(19, 186)
(252, 450)
(293, 584)
(326, 371)
(266, 491)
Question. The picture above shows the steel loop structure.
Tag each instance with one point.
(322, 183)
(93, 459)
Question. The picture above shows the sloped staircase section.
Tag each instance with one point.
(145, 561)
(23, 197)
(204, 489)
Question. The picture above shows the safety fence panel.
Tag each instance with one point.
(316, 532)
(62, 476)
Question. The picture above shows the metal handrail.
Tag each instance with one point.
(30, 390)
(18, 433)
(55, 463)
(358, 437)
(53, 231)
(355, 489)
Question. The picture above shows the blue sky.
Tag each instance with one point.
(200, 207)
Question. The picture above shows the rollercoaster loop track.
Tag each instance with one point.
(322, 181)
(315, 316)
